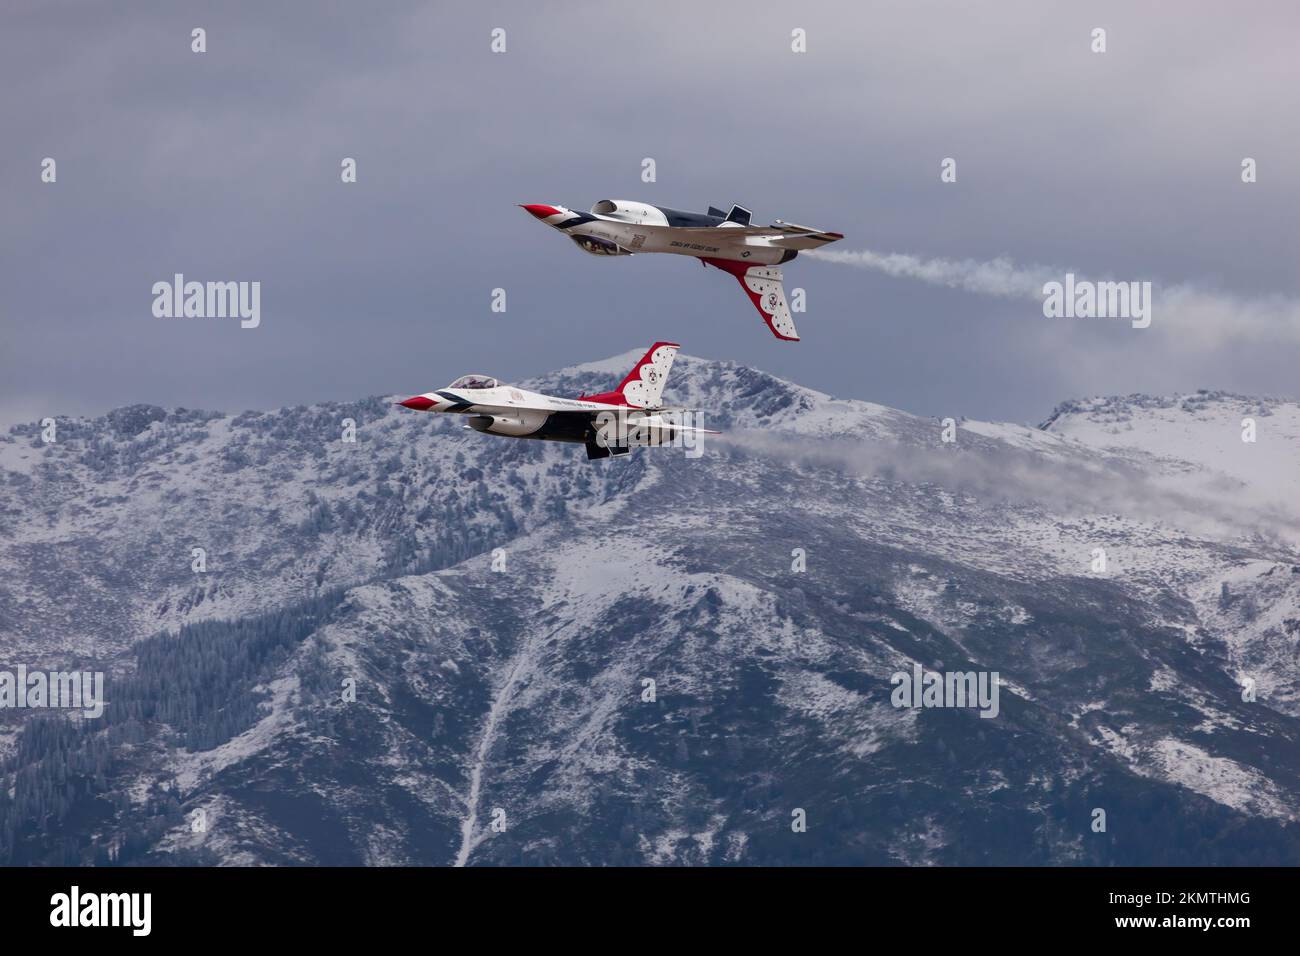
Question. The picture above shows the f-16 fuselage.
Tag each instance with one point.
(607, 423)
(615, 228)
(726, 241)
(501, 409)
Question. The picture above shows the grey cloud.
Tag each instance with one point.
(224, 166)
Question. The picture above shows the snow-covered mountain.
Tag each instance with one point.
(498, 609)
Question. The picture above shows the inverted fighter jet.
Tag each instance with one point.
(610, 423)
(724, 240)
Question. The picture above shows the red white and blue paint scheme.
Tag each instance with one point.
(726, 241)
(607, 423)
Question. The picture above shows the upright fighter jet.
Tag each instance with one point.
(607, 423)
(724, 240)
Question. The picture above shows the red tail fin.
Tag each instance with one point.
(644, 385)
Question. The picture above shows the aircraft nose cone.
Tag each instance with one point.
(541, 212)
(419, 403)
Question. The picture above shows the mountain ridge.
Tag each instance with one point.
(500, 603)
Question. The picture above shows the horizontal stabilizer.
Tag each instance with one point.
(801, 237)
(814, 241)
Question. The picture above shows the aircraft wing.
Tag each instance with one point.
(641, 431)
(718, 232)
(785, 235)
(666, 429)
(659, 421)
(605, 435)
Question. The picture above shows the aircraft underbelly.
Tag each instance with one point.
(566, 426)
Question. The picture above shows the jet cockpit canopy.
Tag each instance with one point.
(474, 381)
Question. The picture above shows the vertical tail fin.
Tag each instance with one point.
(644, 385)
(763, 286)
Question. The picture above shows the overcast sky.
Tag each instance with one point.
(225, 165)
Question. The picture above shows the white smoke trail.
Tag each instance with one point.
(1202, 318)
(1000, 277)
